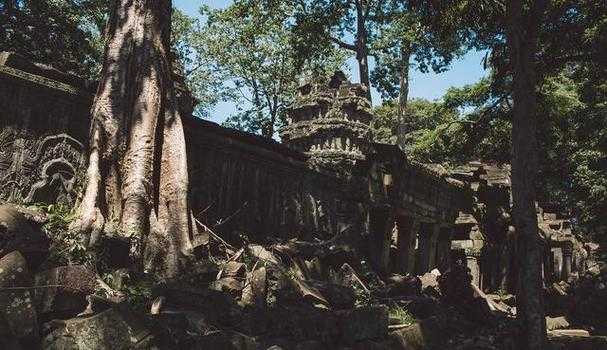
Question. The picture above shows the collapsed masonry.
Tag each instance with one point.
(485, 238)
(327, 178)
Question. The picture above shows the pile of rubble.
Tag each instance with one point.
(582, 299)
(282, 295)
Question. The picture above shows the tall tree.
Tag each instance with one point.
(514, 58)
(526, 39)
(136, 180)
(522, 38)
(400, 42)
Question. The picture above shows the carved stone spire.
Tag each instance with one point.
(330, 123)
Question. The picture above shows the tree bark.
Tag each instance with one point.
(362, 51)
(522, 39)
(136, 181)
(403, 92)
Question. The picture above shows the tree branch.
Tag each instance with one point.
(342, 44)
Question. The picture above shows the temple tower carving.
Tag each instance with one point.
(330, 123)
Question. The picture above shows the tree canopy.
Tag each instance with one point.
(64, 34)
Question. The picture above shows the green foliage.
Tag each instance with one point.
(399, 314)
(573, 140)
(64, 34)
(362, 297)
(471, 122)
(389, 31)
(246, 51)
(419, 115)
(202, 76)
(67, 246)
(401, 40)
(139, 295)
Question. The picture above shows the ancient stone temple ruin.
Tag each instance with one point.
(327, 178)
(484, 237)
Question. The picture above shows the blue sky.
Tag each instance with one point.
(466, 70)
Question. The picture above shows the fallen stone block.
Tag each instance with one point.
(224, 340)
(553, 323)
(430, 279)
(256, 288)
(262, 254)
(569, 333)
(233, 269)
(219, 307)
(426, 334)
(17, 233)
(303, 322)
(229, 285)
(61, 292)
(116, 328)
(16, 301)
(338, 296)
(577, 343)
(399, 285)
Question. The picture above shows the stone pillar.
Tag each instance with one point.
(567, 252)
(472, 263)
(557, 263)
(380, 224)
(407, 229)
(433, 246)
(426, 253)
(444, 249)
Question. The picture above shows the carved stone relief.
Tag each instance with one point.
(39, 169)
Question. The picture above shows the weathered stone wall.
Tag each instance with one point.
(486, 238)
(242, 183)
(43, 124)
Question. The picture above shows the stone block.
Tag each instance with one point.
(62, 291)
(20, 234)
(116, 328)
(426, 334)
(16, 302)
(256, 289)
(225, 340)
(553, 323)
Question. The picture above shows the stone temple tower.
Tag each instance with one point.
(330, 123)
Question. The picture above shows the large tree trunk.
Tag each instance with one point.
(136, 181)
(522, 39)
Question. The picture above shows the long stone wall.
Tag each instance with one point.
(243, 184)
(240, 183)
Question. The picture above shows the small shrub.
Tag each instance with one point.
(400, 315)
(67, 247)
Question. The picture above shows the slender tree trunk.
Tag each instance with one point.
(362, 51)
(522, 39)
(403, 92)
(136, 181)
